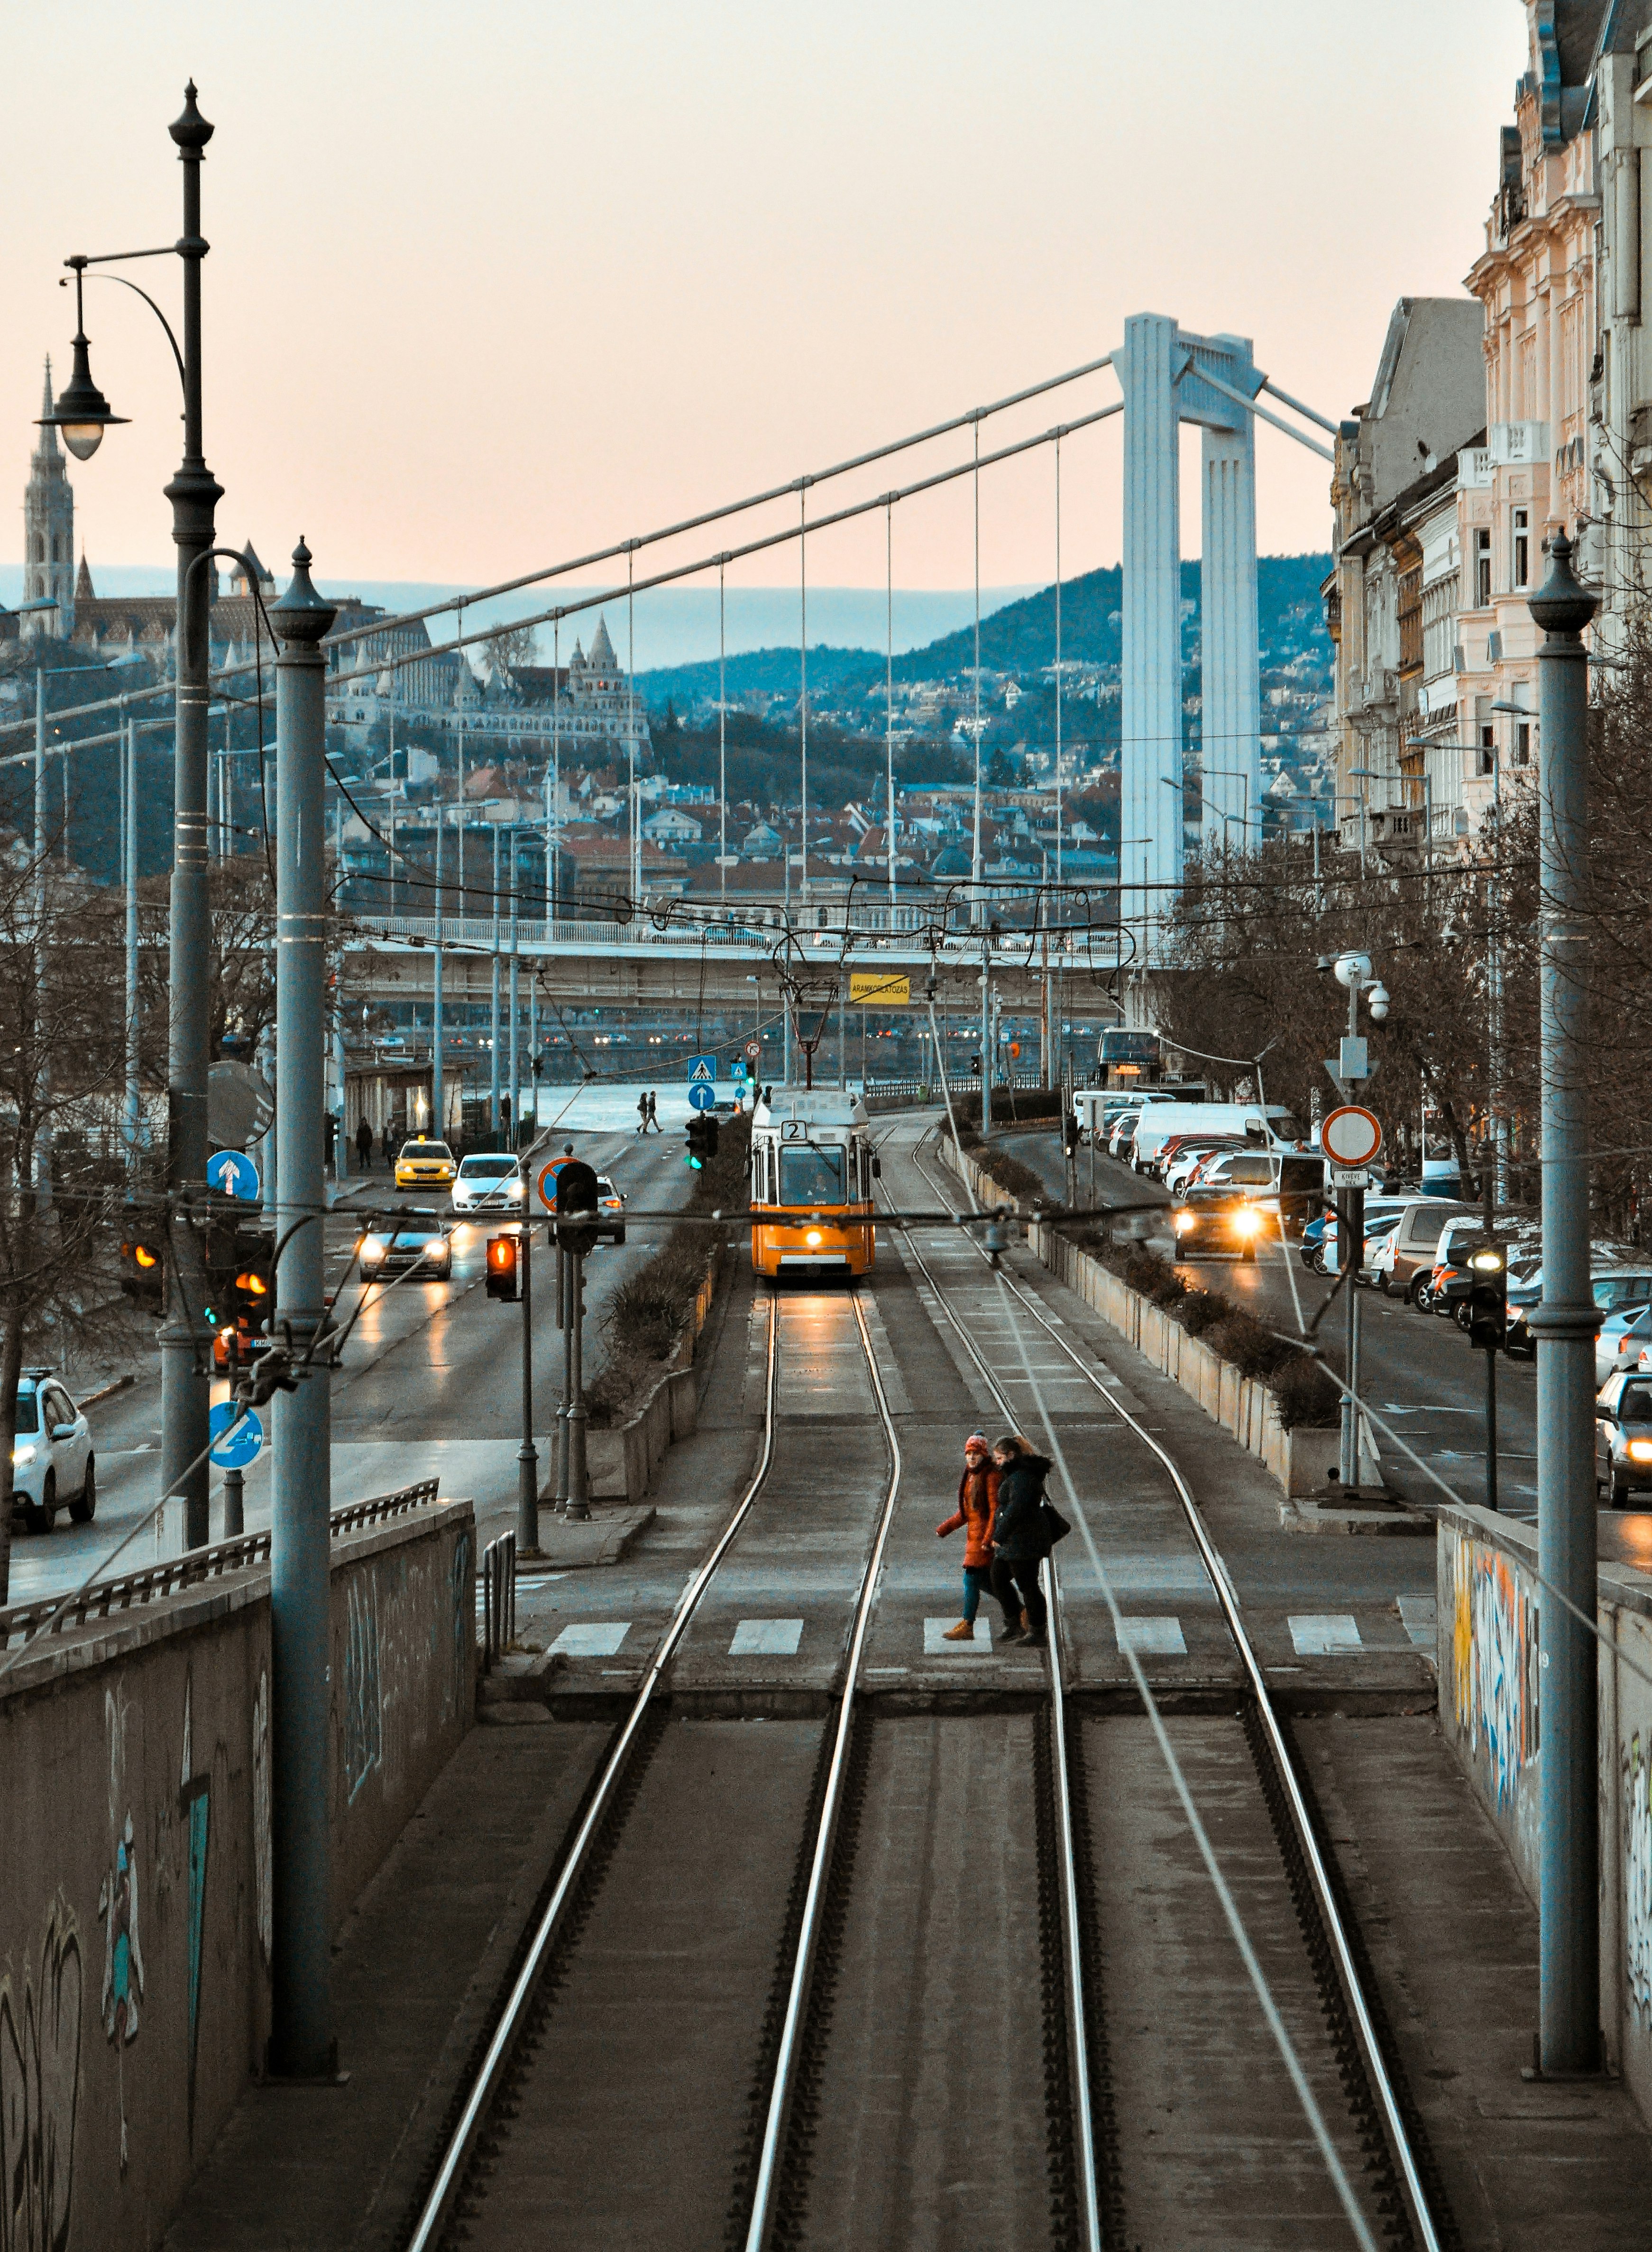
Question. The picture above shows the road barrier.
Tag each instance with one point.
(498, 1577)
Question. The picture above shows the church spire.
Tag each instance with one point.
(48, 534)
(47, 450)
(83, 582)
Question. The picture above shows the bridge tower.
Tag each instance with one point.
(1168, 378)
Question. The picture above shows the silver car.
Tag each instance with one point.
(53, 1465)
(1623, 1437)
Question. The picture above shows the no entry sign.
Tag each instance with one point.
(1350, 1136)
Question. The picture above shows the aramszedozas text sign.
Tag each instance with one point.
(875, 985)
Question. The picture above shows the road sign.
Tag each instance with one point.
(246, 1444)
(753, 1048)
(739, 1067)
(1350, 1136)
(702, 1070)
(1347, 1176)
(701, 1097)
(547, 1183)
(872, 986)
(231, 1174)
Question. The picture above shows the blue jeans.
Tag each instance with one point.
(977, 1582)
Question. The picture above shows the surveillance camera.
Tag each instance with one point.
(1380, 1005)
(1451, 935)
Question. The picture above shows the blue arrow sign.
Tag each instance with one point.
(701, 1097)
(231, 1174)
(702, 1070)
(246, 1442)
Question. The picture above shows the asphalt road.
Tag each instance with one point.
(1418, 1371)
(430, 1384)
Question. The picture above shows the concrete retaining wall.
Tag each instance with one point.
(135, 1860)
(1239, 1403)
(626, 1459)
(1489, 1611)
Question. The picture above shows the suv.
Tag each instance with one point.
(1414, 1243)
(52, 1461)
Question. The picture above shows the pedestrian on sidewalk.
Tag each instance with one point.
(387, 1142)
(364, 1146)
(977, 1499)
(642, 1114)
(1020, 1541)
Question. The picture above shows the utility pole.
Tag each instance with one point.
(301, 2045)
(493, 1021)
(986, 1031)
(128, 877)
(527, 1454)
(1564, 1325)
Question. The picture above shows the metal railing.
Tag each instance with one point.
(498, 1599)
(171, 1577)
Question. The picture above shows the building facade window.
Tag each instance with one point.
(1521, 546)
(1522, 743)
(1482, 568)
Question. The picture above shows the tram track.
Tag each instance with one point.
(489, 2135)
(1400, 2192)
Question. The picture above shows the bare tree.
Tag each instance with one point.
(511, 646)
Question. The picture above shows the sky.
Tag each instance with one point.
(496, 287)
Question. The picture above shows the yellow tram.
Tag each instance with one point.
(813, 1166)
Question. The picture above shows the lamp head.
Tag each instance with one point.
(1351, 968)
(81, 413)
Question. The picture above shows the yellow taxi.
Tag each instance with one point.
(422, 1163)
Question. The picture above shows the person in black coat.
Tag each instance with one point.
(1018, 1539)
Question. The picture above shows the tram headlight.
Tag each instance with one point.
(812, 1239)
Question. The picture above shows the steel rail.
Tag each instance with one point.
(808, 1931)
(1228, 1599)
(449, 2175)
(1078, 2030)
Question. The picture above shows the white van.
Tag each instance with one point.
(1268, 1126)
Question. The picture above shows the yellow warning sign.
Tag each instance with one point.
(875, 985)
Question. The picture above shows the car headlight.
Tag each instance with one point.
(1246, 1222)
(1182, 1221)
(22, 1456)
(1640, 1450)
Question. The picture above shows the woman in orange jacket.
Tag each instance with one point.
(977, 1505)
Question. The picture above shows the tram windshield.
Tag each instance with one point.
(809, 1174)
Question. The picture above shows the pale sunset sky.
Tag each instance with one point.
(492, 286)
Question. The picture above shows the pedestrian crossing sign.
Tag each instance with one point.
(702, 1071)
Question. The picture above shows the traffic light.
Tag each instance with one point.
(1488, 1297)
(504, 1267)
(143, 1266)
(702, 1141)
(974, 1067)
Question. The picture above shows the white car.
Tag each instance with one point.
(53, 1465)
(490, 1182)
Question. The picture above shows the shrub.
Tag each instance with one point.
(1200, 1310)
(1306, 1396)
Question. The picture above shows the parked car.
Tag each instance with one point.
(1376, 1208)
(1208, 1221)
(1623, 1437)
(1622, 1336)
(422, 1243)
(1182, 1169)
(52, 1463)
(490, 1181)
(1412, 1244)
(1265, 1125)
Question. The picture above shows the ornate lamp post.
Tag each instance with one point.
(83, 413)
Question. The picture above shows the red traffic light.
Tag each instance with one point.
(504, 1266)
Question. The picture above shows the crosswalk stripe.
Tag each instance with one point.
(1326, 1634)
(596, 1639)
(1160, 1637)
(766, 1638)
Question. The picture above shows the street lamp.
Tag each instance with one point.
(83, 413)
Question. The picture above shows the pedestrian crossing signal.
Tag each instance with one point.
(504, 1267)
(702, 1141)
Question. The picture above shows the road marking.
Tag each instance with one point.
(1420, 1616)
(1148, 1574)
(592, 1640)
(1328, 1634)
(1160, 1637)
(766, 1638)
(935, 1645)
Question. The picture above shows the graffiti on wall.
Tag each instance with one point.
(363, 1717)
(461, 1593)
(1495, 1647)
(1637, 1879)
(195, 1806)
(40, 2090)
(122, 1958)
(263, 1857)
